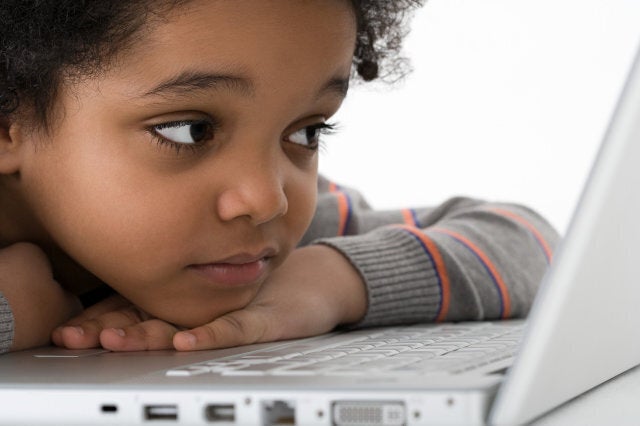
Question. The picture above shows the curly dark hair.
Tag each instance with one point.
(45, 42)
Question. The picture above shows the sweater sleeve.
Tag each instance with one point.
(6, 325)
(465, 259)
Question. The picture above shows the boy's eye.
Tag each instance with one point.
(192, 132)
(309, 136)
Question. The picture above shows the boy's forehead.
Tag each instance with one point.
(271, 23)
(229, 43)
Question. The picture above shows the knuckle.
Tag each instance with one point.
(211, 333)
(131, 315)
(144, 335)
(156, 334)
(234, 323)
(96, 324)
(247, 333)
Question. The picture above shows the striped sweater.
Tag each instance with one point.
(462, 260)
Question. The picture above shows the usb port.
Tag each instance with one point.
(220, 413)
(160, 412)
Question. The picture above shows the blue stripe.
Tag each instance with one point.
(349, 210)
(433, 264)
(486, 267)
(414, 216)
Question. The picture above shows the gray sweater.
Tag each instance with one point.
(462, 260)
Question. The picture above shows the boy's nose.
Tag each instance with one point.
(257, 194)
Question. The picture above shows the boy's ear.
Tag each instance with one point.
(10, 146)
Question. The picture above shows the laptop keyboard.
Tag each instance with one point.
(416, 350)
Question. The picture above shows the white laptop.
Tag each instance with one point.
(583, 330)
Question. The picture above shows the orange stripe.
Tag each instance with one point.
(343, 212)
(343, 207)
(441, 269)
(545, 247)
(506, 300)
(407, 216)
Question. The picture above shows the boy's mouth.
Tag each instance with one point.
(237, 270)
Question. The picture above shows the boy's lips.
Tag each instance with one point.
(237, 270)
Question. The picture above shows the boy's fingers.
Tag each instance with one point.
(86, 334)
(72, 337)
(237, 328)
(145, 336)
(110, 304)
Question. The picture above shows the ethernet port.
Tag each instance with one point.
(278, 413)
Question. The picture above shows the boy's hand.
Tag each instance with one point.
(313, 291)
(115, 324)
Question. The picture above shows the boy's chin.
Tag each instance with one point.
(191, 315)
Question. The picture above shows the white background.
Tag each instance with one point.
(508, 100)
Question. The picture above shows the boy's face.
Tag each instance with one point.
(184, 174)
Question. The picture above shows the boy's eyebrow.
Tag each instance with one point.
(188, 81)
(337, 85)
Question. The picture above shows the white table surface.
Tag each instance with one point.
(616, 402)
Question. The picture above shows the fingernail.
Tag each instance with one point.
(120, 332)
(189, 339)
(78, 330)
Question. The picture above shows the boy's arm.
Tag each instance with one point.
(463, 260)
(32, 303)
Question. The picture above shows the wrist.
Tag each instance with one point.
(345, 284)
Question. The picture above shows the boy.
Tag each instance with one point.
(168, 149)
